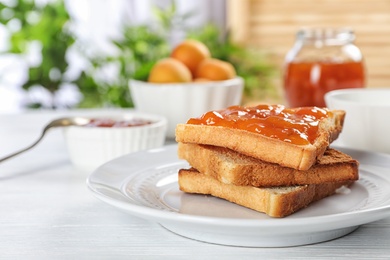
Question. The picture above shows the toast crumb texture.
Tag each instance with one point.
(275, 202)
(231, 167)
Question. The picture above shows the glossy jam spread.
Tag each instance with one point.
(106, 122)
(298, 125)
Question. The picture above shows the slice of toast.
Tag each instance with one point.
(231, 167)
(263, 147)
(275, 202)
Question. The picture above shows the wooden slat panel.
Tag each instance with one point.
(271, 25)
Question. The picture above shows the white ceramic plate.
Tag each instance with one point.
(144, 184)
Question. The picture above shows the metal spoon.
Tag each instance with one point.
(61, 122)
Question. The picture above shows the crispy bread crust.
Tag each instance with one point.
(300, 157)
(275, 202)
(231, 167)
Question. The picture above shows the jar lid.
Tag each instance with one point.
(327, 36)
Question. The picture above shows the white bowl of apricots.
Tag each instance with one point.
(187, 84)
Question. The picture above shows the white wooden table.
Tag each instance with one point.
(47, 212)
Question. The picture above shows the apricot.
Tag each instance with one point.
(214, 69)
(169, 70)
(191, 53)
(201, 80)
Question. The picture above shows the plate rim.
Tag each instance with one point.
(162, 216)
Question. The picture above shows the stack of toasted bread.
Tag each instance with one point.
(264, 172)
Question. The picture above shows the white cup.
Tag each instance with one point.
(367, 120)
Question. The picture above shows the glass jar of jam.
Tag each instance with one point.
(321, 60)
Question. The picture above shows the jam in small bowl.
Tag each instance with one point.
(107, 137)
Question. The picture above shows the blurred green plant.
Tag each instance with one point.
(169, 19)
(137, 51)
(139, 48)
(47, 25)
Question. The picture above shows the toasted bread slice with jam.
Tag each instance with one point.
(225, 128)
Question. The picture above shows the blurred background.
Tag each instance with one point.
(81, 53)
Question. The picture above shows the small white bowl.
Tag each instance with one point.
(367, 125)
(180, 101)
(92, 146)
